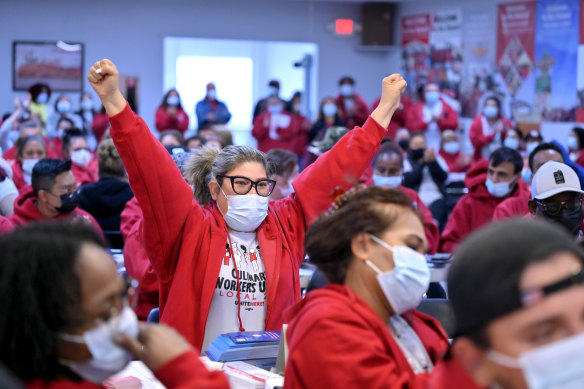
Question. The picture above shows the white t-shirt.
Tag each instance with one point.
(410, 344)
(252, 283)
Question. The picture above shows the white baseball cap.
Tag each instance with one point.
(553, 178)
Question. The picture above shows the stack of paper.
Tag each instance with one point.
(242, 375)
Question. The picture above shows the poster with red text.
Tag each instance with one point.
(415, 41)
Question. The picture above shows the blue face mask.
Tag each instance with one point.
(172, 100)
(431, 97)
(275, 108)
(491, 111)
(42, 98)
(512, 143)
(391, 182)
(451, 147)
(64, 106)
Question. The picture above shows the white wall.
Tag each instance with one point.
(131, 33)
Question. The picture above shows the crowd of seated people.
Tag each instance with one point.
(215, 234)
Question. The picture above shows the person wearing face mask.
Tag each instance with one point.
(262, 105)
(199, 248)
(457, 161)
(284, 169)
(402, 138)
(51, 196)
(489, 183)
(210, 110)
(84, 164)
(294, 106)
(276, 128)
(86, 111)
(328, 116)
(170, 114)
(26, 129)
(40, 94)
(517, 292)
(352, 108)
(362, 330)
(89, 333)
(388, 172)
(575, 145)
(8, 192)
(556, 197)
(63, 108)
(489, 129)
(518, 206)
(431, 115)
(426, 173)
(30, 150)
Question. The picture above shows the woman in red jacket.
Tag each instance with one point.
(488, 130)
(276, 128)
(362, 330)
(69, 295)
(227, 260)
(29, 151)
(170, 114)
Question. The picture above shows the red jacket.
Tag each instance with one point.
(415, 118)
(479, 139)
(449, 374)
(85, 175)
(336, 340)
(18, 178)
(361, 111)
(166, 122)
(5, 225)
(476, 208)
(304, 127)
(288, 135)
(452, 161)
(183, 372)
(25, 212)
(185, 241)
(515, 206)
(136, 260)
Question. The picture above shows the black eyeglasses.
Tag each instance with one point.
(242, 185)
(555, 208)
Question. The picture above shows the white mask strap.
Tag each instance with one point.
(71, 338)
(503, 360)
(380, 242)
(372, 266)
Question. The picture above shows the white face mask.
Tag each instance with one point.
(245, 213)
(27, 166)
(557, 365)
(573, 143)
(81, 157)
(211, 94)
(499, 189)
(107, 358)
(405, 285)
(347, 90)
(392, 181)
(512, 143)
(329, 109)
(451, 147)
(287, 191)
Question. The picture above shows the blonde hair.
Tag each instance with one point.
(207, 163)
(110, 163)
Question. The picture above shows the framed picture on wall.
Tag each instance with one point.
(58, 64)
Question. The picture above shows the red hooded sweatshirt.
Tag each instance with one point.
(25, 212)
(284, 138)
(476, 208)
(18, 178)
(336, 340)
(515, 206)
(185, 242)
(5, 225)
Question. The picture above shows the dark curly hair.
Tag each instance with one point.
(328, 241)
(40, 289)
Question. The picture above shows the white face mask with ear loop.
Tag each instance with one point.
(404, 285)
(556, 365)
(107, 358)
(246, 212)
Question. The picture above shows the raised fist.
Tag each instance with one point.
(103, 77)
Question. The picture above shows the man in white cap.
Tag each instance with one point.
(556, 196)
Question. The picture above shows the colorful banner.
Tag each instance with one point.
(556, 59)
(515, 43)
(415, 28)
(432, 50)
(480, 78)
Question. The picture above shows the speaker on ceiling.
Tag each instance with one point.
(377, 21)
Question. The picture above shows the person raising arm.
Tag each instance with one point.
(227, 261)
